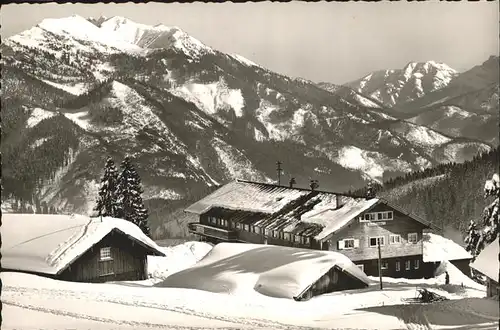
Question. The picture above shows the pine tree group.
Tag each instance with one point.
(477, 240)
(120, 195)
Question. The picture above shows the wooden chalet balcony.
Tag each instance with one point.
(214, 232)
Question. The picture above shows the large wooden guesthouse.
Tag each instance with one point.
(243, 211)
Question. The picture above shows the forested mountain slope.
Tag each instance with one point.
(448, 195)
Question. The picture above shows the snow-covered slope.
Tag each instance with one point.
(475, 89)
(177, 258)
(416, 79)
(158, 36)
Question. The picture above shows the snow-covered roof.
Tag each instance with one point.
(437, 248)
(294, 210)
(487, 261)
(44, 243)
(336, 219)
(276, 271)
(245, 196)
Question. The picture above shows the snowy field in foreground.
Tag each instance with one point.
(32, 302)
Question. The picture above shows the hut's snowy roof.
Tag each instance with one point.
(437, 248)
(276, 271)
(487, 261)
(49, 243)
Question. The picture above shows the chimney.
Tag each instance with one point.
(338, 200)
(314, 184)
(292, 182)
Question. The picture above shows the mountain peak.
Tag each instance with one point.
(114, 33)
(391, 87)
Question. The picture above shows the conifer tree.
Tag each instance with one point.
(107, 201)
(130, 204)
(477, 242)
(472, 238)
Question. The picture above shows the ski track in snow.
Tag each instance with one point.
(55, 293)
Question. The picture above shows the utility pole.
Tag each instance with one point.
(279, 170)
(379, 264)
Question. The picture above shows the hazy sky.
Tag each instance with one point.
(324, 41)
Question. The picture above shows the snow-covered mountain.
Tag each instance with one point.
(416, 79)
(75, 91)
(456, 104)
(467, 107)
(351, 95)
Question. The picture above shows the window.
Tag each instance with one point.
(417, 264)
(275, 233)
(384, 265)
(394, 239)
(266, 232)
(212, 220)
(287, 236)
(376, 216)
(369, 217)
(307, 240)
(297, 238)
(246, 227)
(105, 253)
(348, 243)
(238, 225)
(374, 241)
(407, 264)
(256, 229)
(412, 238)
(398, 266)
(384, 215)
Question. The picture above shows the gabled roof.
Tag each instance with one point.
(48, 244)
(276, 271)
(298, 211)
(487, 261)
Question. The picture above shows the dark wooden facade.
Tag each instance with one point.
(334, 280)
(127, 261)
(400, 258)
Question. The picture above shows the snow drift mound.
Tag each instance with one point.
(177, 258)
(275, 271)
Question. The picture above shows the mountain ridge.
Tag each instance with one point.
(190, 119)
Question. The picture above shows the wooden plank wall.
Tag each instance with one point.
(401, 224)
(127, 258)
